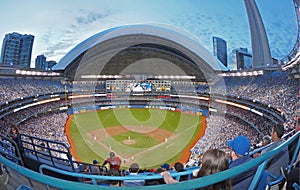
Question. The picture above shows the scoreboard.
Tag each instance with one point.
(138, 86)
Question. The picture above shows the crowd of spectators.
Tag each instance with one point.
(219, 130)
(47, 126)
(14, 88)
(274, 89)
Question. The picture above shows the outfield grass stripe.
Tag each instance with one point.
(90, 136)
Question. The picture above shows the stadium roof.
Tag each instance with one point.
(163, 39)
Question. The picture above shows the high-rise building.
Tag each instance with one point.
(241, 59)
(40, 62)
(50, 64)
(260, 45)
(17, 49)
(220, 49)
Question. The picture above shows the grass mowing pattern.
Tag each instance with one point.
(185, 126)
(140, 139)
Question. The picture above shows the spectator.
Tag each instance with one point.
(180, 168)
(113, 161)
(134, 169)
(279, 160)
(15, 135)
(95, 167)
(240, 148)
(165, 167)
(265, 141)
(114, 172)
(214, 161)
(168, 178)
(292, 176)
(154, 181)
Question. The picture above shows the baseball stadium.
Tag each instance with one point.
(149, 96)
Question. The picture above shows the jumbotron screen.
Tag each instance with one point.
(135, 86)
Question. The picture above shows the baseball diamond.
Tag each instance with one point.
(160, 138)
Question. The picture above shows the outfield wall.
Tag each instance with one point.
(195, 111)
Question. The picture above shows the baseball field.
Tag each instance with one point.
(149, 137)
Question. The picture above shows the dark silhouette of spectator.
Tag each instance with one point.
(114, 172)
(113, 161)
(214, 161)
(178, 166)
(293, 177)
(154, 181)
(279, 160)
(15, 136)
(95, 168)
(134, 169)
(265, 141)
(239, 153)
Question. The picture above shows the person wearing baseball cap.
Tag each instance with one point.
(113, 161)
(239, 153)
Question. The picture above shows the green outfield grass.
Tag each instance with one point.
(88, 134)
(141, 140)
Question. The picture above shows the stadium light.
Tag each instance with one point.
(243, 73)
(35, 73)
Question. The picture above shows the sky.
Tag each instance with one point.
(60, 25)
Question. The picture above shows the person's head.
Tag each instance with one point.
(112, 155)
(277, 132)
(134, 168)
(240, 146)
(178, 166)
(43, 146)
(95, 162)
(114, 172)
(15, 129)
(165, 167)
(214, 161)
(266, 140)
(158, 170)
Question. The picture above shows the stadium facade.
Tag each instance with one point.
(144, 49)
(101, 55)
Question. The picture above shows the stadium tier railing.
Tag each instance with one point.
(58, 183)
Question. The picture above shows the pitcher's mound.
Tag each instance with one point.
(129, 142)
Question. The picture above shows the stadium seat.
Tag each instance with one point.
(23, 187)
(296, 186)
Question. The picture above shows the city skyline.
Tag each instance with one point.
(58, 26)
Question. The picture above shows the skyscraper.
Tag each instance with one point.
(241, 59)
(259, 41)
(40, 62)
(17, 49)
(50, 64)
(220, 49)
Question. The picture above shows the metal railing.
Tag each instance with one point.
(260, 161)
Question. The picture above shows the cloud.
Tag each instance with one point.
(87, 17)
(59, 42)
(232, 27)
